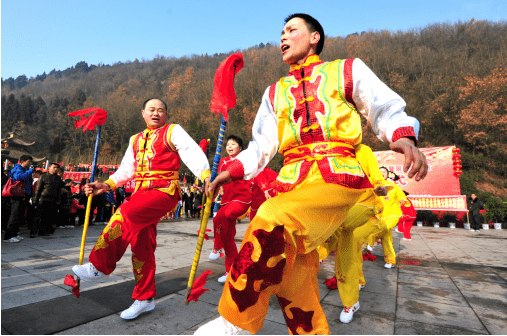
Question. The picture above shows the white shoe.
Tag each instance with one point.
(223, 278)
(220, 326)
(137, 308)
(19, 238)
(361, 287)
(70, 227)
(11, 240)
(348, 313)
(215, 254)
(397, 230)
(61, 227)
(369, 248)
(387, 265)
(406, 238)
(472, 230)
(88, 272)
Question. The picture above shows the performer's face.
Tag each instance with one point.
(385, 173)
(297, 42)
(154, 113)
(232, 148)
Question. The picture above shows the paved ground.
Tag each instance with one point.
(448, 281)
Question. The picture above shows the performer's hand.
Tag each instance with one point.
(266, 193)
(402, 202)
(413, 157)
(380, 191)
(221, 179)
(206, 184)
(96, 188)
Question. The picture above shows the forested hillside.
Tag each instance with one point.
(452, 76)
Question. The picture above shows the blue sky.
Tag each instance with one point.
(39, 36)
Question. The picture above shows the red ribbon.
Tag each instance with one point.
(198, 288)
(224, 97)
(98, 117)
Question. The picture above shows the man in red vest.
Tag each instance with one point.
(153, 158)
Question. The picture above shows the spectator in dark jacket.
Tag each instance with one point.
(197, 203)
(65, 205)
(20, 172)
(188, 201)
(47, 197)
(474, 208)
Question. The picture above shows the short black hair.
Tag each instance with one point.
(67, 181)
(236, 138)
(147, 100)
(313, 25)
(56, 164)
(25, 157)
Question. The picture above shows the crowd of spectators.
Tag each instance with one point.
(51, 202)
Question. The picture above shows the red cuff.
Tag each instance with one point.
(236, 169)
(405, 132)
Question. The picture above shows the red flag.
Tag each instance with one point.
(206, 237)
(97, 118)
(184, 179)
(198, 288)
(224, 97)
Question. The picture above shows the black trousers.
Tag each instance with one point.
(18, 206)
(475, 222)
(47, 213)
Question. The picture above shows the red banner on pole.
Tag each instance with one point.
(440, 203)
(441, 179)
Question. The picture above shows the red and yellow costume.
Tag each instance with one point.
(390, 216)
(260, 185)
(236, 200)
(347, 240)
(153, 157)
(311, 117)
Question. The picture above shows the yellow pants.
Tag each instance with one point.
(278, 256)
(385, 235)
(361, 236)
(347, 264)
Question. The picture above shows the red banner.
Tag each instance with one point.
(443, 203)
(440, 180)
(76, 176)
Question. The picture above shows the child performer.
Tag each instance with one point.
(408, 219)
(236, 200)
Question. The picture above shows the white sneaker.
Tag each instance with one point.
(406, 238)
(387, 265)
(220, 326)
(472, 230)
(137, 308)
(88, 272)
(361, 287)
(11, 240)
(70, 227)
(369, 248)
(223, 278)
(19, 238)
(215, 254)
(397, 230)
(348, 313)
(61, 227)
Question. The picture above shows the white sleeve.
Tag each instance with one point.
(126, 170)
(383, 107)
(264, 145)
(190, 152)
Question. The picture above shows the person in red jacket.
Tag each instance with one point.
(236, 200)
(407, 220)
(262, 189)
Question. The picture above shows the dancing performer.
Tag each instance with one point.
(407, 220)
(312, 117)
(153, 157)
(236, 200)
(347, 243)
(391, 214)
(262, 189)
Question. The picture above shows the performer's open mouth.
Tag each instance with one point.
(284, 48)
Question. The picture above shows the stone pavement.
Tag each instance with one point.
(447, 281)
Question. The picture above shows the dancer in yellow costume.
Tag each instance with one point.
(311, 117)
(345, 241)
(390, 216)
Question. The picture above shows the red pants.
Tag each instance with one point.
(135, 223)
(224, 227)
(256, 203)
(405, 225)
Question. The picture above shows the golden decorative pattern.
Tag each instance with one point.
(137, 266)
